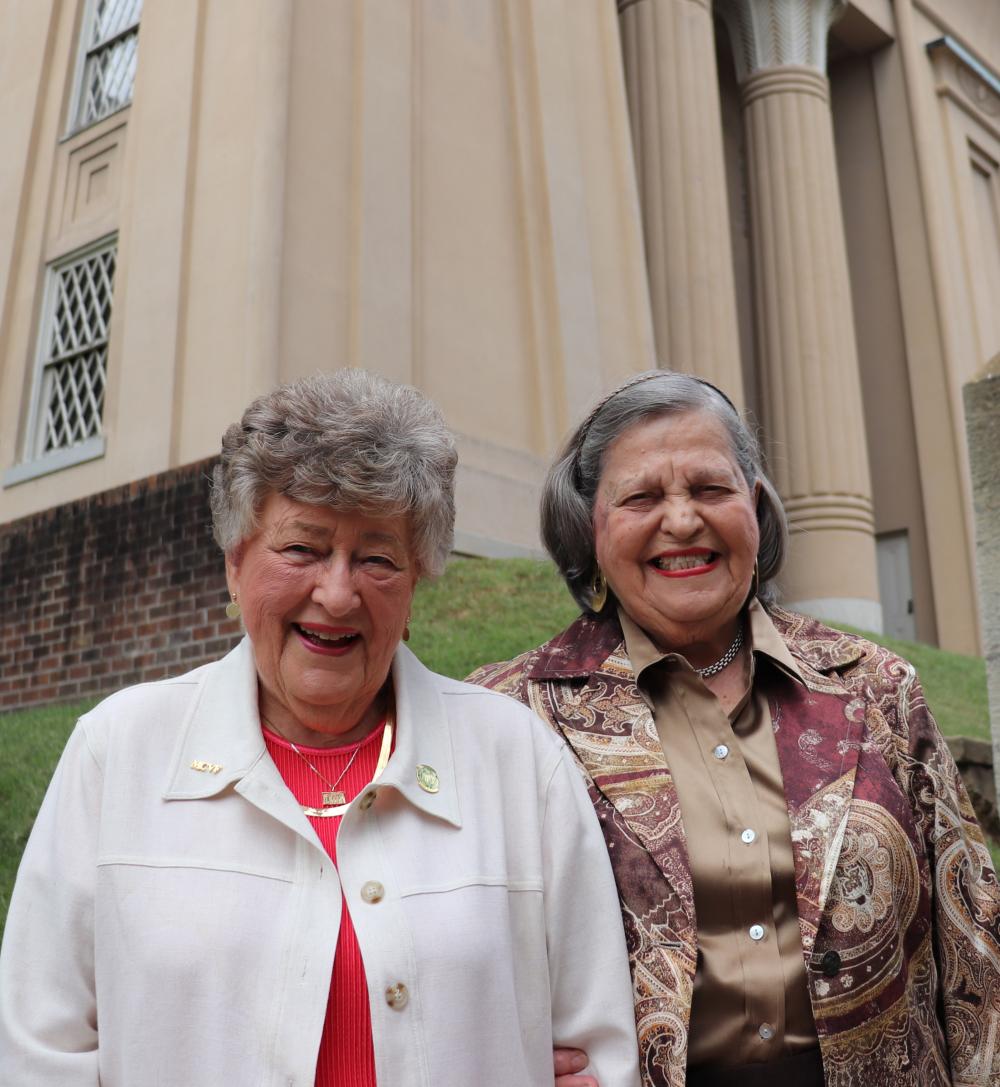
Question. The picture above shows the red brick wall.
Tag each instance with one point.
(119, 588)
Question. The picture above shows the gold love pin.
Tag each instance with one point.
(427, 778)
(206, 767)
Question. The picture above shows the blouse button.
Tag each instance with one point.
(766, 1031)
(748, 836)
(396, 996)
(756, 932)
(721, 752)
(372, 891)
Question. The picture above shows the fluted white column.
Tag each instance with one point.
(670, 76)
(809, 379)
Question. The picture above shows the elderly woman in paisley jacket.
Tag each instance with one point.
(807, 896)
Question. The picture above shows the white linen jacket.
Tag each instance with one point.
(175, 917)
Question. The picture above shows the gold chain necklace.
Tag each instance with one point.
(334, 801)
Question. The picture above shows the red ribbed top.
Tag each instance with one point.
(346, 1056)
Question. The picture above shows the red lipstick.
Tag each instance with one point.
(710, 563)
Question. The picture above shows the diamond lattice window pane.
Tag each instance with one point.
(109, 71)
(75, 365)
(108, 79)
(83, 304)
(111, 17)
(75, 400)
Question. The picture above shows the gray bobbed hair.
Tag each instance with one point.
(350, 441)
(571, 485)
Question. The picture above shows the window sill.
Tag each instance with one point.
(88, 128)
(90, 449)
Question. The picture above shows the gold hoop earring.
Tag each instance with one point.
(598, 591)
(233, 609)
(754, 581)
(406, 629)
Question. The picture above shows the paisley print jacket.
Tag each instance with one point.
(899, 906)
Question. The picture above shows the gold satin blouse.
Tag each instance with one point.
(750, 999)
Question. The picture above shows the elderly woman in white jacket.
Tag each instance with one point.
(314, 861)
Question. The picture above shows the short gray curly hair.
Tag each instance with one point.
(348, 440)
(571, 484)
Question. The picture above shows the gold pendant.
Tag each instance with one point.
(338, 799)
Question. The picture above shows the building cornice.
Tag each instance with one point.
(964, 79)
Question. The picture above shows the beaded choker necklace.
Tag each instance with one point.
(725, 660)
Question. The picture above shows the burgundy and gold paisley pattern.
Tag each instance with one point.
(892, 875)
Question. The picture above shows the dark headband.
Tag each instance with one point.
(638, 379)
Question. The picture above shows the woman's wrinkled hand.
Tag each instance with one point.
(567, 1064)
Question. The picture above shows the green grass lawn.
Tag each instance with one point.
(30, 744)
(485, 610)
(481, 610)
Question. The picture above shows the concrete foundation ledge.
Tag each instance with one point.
(471, 543)
(855, 612)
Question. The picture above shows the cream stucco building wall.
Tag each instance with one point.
(514, 204)
(441, 192)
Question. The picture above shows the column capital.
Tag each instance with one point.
(767, 34)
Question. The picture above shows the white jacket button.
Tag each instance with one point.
(397, 996)
(366, 801)
(372, 891)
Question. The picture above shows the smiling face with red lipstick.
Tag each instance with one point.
(325, 597)
(675, 531)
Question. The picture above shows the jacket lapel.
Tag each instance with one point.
(600, 712)
(221, 745)
(423, 741)
(818, 730)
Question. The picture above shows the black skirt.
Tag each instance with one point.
(799, 1070)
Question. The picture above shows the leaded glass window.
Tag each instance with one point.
(110, 40)
(75, 351)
